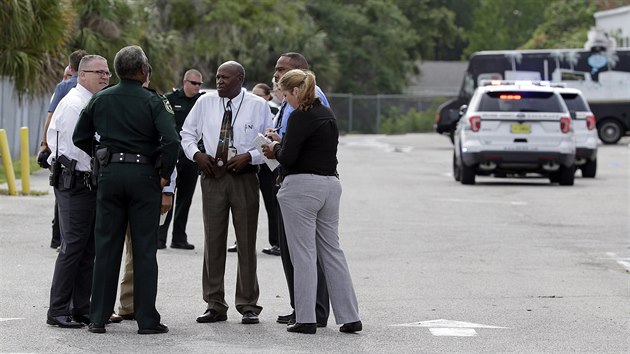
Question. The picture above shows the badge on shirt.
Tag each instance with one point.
(167, 105)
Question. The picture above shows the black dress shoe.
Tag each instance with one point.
(286, 318)
(81, 319)
(159, 329)
(308, 328)
(96, 328)
(182, 245)
(63, 322)
(161, 245)
(273, 250)
(211, 316)
(232, 248)
(249, 317)
(351, 327)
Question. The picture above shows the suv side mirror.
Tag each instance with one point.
(573, 115)
(462, 110)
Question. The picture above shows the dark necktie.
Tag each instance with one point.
(279, 121)
(225, 141)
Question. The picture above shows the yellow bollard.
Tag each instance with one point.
(6, 160)
(25, 160)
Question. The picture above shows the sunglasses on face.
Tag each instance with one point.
(196, 83)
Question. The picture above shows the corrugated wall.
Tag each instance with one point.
(30, 112)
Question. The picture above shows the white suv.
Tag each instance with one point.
(514, 128)
(584, 130)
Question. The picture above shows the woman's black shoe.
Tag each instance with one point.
(308, 328)
(351, 327)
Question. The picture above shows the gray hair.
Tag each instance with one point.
(88, 59)
(129, 61)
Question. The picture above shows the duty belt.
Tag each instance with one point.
(122, 157)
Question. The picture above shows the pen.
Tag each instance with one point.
(276, 129)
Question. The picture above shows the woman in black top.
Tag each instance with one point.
(309, 200)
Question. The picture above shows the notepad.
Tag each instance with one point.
(258, 142)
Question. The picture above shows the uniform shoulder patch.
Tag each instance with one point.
(167, 105)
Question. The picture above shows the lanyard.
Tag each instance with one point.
(237, 110)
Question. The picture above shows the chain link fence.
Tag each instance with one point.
(366, 113)
(355, 113)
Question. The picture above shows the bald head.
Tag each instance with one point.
(230, 78)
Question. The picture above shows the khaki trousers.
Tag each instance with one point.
(239, 195)
(126, 284)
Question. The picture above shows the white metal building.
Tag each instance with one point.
(615, 22)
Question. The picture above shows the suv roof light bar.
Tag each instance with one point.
(521, 83)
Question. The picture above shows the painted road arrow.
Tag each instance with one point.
(450, 328)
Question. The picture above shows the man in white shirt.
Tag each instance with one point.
(72, 278)
(228, 122)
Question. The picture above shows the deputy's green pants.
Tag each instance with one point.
(127, 193)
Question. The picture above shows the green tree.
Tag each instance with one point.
(504, 24)
(463, 21)
(33, 36)
(565, 25)
(372, 41)
(434, 25)
(104, 27)
(253, 33)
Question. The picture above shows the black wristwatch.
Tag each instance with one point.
(170, 194)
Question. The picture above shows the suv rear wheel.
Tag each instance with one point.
(457, 172)
(467, 173)
(610, 131)
(589, 169)
(566, 175)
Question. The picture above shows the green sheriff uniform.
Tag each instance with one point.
(138, 129)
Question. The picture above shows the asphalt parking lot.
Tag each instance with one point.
(505, 265)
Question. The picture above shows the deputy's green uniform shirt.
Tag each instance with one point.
(181, 104)
(130, 119)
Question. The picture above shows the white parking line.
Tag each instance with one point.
(448, 328)
(481, 201)
(453, 332)
(624, 262)
(11, 319)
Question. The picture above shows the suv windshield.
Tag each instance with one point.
(575, 102)
(520, 101)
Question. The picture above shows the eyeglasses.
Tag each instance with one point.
(99, 72)
(196, 83)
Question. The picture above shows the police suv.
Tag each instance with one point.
(584, 130)
(514, 128)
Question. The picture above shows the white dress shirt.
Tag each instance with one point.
(63, 121)
(250, 116)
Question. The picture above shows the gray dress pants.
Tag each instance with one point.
(310, 211)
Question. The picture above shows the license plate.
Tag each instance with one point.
(521, 128)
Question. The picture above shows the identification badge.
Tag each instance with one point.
(231, 153)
